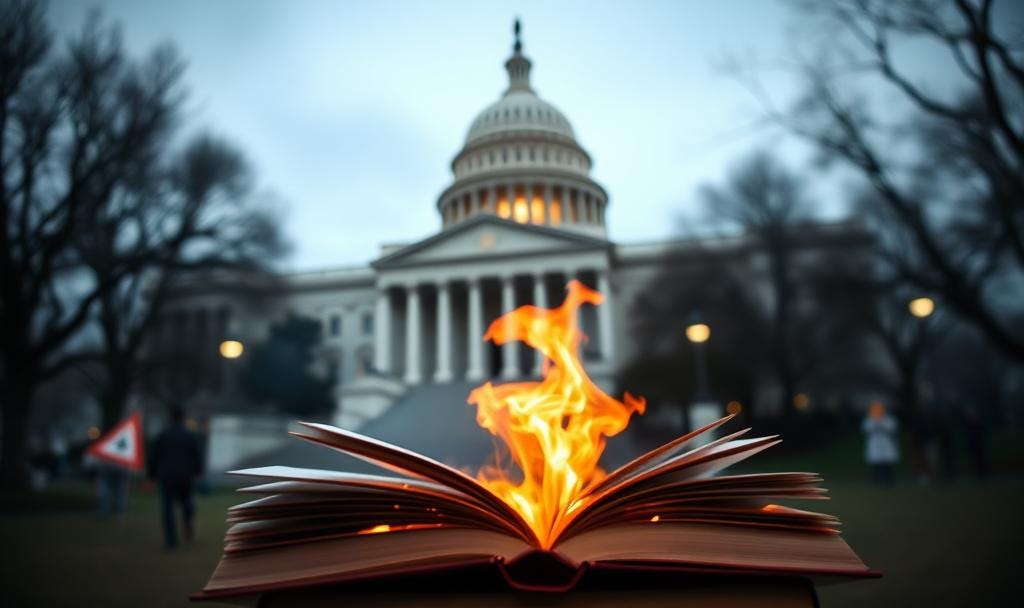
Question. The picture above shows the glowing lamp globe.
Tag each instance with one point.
(921, 307)
(231, 349)
(698, 333)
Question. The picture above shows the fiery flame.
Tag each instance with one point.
(555, 429)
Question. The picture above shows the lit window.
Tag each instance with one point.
(537, 210)
(504, 209)
(556, 212)
(520, 210)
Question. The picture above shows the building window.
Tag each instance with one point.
(334, 325)
(537, 206)
(504, 209)
(520, 210)
(556, 207)
(367, 324)
(465, 205)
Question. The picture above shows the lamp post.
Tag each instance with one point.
(915, 386)
(703, 409)
(230, 350)
(698, 332)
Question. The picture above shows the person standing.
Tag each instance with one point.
(881, 449)
(174, 464)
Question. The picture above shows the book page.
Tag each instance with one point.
(407, 462)
(357, 491)
(356, 556)
(721, 546)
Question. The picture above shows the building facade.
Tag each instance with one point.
(520, 219)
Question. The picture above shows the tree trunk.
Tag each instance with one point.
(17, 395)
(114, 397)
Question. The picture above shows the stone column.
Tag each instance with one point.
(475, 365)
(540, 299)
(444, 334)
(382, 331)
(510, 351)
(413, 375)
(604, 317)
(547, 204)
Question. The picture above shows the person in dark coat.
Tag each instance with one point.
(175, 462)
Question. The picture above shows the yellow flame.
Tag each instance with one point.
(381, 528)
(376, 529)
(555, 429)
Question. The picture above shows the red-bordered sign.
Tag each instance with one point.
(122, 445)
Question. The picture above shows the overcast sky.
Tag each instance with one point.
(351, 111)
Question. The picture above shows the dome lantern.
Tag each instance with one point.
(518, 66)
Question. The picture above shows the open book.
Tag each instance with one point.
(666, 510)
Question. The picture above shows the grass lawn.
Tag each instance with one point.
(950, 544)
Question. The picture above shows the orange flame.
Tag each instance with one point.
(555, 429)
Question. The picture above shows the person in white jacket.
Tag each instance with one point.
(881, 447)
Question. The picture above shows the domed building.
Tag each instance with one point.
(521, 162)
(403, 336)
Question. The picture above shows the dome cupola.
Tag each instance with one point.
(521, 162)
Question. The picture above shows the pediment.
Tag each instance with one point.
(488, 236)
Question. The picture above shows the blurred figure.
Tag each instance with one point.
(175, 462)
(881, 449)
(111, 486)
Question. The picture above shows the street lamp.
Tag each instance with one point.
(698, 332)
(231, 349)
(703, 409)
(921, 307)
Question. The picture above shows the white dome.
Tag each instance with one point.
(519, 110)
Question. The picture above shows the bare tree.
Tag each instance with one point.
(99, 213)
(946, 170)
(73, 128)
(192, 215)
(767, 201)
